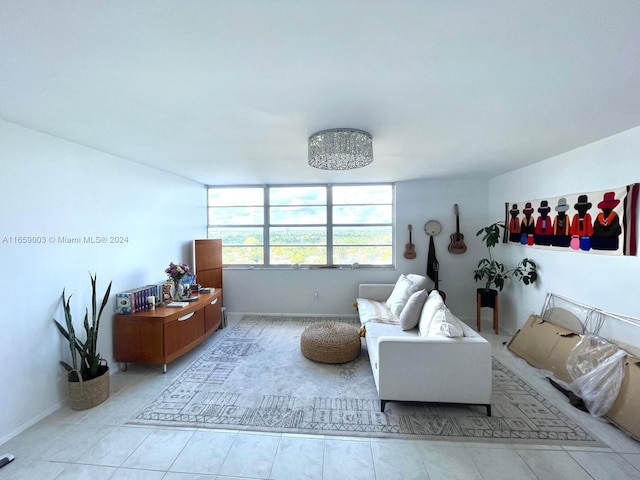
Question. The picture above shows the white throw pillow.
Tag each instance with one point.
(446, 324)
(431, 306)
(411, 312)
(403, 289)
(418, 280)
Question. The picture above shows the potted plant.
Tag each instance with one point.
(87, 372)
(494, 273)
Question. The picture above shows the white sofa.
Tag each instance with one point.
(410, 367)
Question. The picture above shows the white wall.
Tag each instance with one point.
(292, 291)
(609, 283)
(53, 188)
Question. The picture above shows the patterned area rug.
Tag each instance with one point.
(253, 377)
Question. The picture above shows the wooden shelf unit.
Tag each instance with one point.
(207, 257)
(160, 336)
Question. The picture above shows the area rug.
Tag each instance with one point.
(253, 377)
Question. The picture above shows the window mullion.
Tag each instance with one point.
(266, 227)
(329, 225)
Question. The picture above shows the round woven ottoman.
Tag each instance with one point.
(330, 342)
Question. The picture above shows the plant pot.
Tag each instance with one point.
(487, 297)
(89, 393)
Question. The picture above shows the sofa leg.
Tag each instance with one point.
(383, 403)
(488, 405)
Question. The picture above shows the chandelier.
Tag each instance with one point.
(340, 149)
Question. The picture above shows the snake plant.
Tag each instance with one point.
(85, 358)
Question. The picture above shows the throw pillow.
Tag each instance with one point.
(446, 324)
(411, 312)
(418, 280)
(431, 306)
(403, 289)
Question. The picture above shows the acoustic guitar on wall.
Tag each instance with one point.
(436, 281)
(457, 239)
(410, 248)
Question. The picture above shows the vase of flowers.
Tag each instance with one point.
(176, 272)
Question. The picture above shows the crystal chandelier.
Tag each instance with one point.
(340, 149)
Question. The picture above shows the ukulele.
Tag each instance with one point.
(457, 239)
(409, 248)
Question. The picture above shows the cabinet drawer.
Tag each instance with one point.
(183, 331)
(213, 314)
(137, 341)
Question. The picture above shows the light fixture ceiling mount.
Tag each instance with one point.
(340, 149)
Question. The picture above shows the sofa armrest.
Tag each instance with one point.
(375, 291)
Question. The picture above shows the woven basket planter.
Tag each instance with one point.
(89, 393)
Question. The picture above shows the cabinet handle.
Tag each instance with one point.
(214, 302)
(186, 317)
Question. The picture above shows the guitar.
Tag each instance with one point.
(436, 267)
(409, 248)
(457, 239)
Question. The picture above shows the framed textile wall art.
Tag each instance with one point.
(601, 222)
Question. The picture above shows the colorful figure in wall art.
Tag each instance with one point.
(514, 224)
(561, 225)
(581, 226)
(606, 226)
(528, 225)
(544, 225)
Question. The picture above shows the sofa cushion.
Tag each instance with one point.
(403, 289)
(411, 312)
(374, 331)
(431, 305)
(418, 280)
(374, 311)
(446, 324)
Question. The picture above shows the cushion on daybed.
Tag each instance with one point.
(437, 319)
(374, 311)
(403, 289)
(410, 314)
(400, 306)
(446, 324)
(418, 280)
(431, 305)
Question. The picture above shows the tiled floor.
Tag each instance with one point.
(98, 445)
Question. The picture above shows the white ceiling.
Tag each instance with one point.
(227, 92)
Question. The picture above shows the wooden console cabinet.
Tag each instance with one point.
(160, 336)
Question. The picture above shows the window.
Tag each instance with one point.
(313, 225)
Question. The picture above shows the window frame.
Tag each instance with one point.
(329, 225)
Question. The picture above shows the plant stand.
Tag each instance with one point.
(487, 298)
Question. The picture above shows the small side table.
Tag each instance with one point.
(487, 298)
